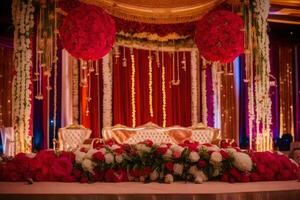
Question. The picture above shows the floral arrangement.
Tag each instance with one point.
(146, 162)
(219, 36)
(23, 20)
(83, 36)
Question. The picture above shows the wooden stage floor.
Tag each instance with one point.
(281, 190)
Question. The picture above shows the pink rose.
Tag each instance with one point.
(176, 154)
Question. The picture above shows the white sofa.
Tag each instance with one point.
(151, 131)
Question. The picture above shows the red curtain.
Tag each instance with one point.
(178, 97)
(92, 119)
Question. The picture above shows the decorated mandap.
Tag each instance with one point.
(166, 91)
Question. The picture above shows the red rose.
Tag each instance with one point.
(235, 174)
(224, 144)
(68, 155)
(98, 175)
(135, 172)
(148, 143)
(110, 142)
(46, 157)
(161, 150)
(84, 179)
(119, 150)
(254, 177)
(261, 168)
(269, 175)
(147, 171)
(225, 177)
(77, 173)
(285, 175)
(224, 154)
(83, 149)
(201, 164)
(61, 167)
(98, 156)
(169, 166)
(245, 178)
(69, 179)
(120, 176)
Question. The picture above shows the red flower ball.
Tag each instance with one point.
(219, 36)
(87, 32)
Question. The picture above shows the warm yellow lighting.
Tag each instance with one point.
(150, 85)
(133, 90)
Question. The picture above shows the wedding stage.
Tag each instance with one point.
(130, 190)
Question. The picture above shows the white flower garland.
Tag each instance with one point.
(262, 81)
(216, 94)
(194, 86)
(107, 91)
(75, 90)
(23, 21)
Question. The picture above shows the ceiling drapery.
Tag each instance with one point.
(157, 12)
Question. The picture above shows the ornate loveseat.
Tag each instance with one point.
(173, 134)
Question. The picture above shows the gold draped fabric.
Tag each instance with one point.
(285, 90)
(6, 75)
(157, 12)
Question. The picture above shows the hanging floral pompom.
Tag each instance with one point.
(87, 32)
(219, 36)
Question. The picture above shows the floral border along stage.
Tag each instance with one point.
(23, 20)
(146, 162)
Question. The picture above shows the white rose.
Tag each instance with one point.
(103, 150)
(154, 175)
(142, 179)
(177, 148)
(194, 156)
(193, 169)
(79, 156)
(109, 158)
(215, 157)
(230, 150)
(199, 179)
(216, 172)
(242, 161)
(201, 174)
(119, 158)
(87, 165)
(90, 153)
(130, 178)
(114, 146)
(213, 148)
(29, 155)
(169, 178)
(142, 148)
(168, 154)
(178, 169)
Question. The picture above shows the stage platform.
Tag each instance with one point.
(276, 190)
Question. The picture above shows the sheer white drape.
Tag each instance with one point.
(8, 140)
(66, 90)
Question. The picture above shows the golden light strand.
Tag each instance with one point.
(55, 59)
(163, 88)
(150, 85)
(133, 88)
